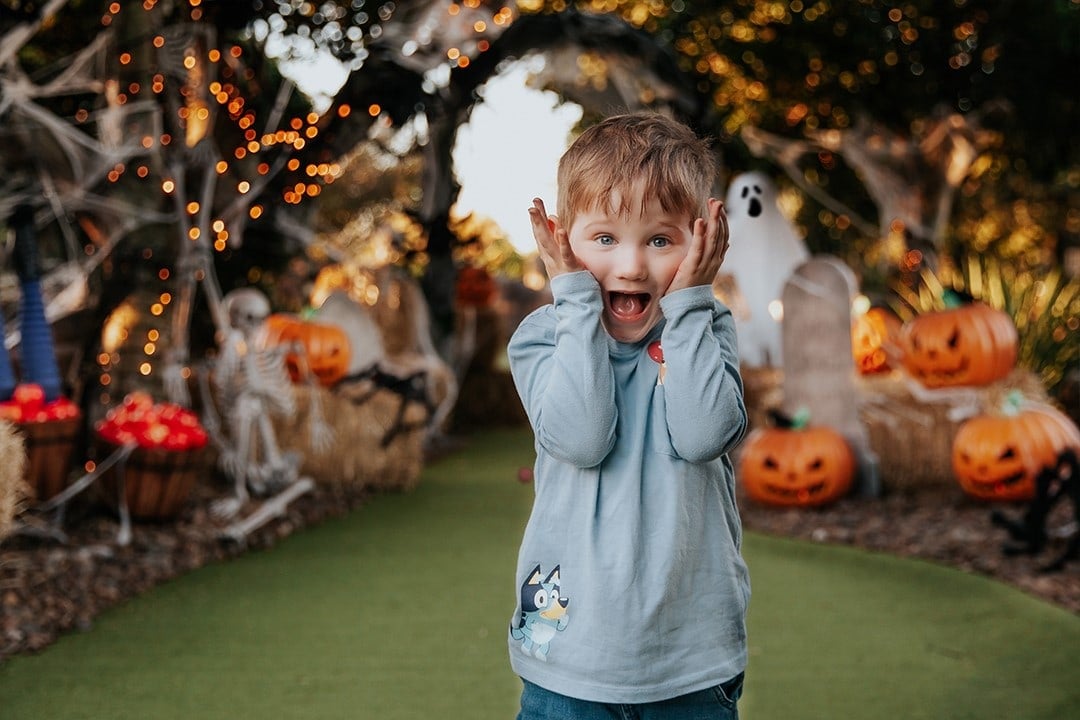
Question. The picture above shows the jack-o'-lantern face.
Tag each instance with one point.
(969, 345)
(788, 467)
(872, 336)
(323, 349)
(998, 457)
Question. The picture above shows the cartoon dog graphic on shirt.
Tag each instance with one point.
(543, 613)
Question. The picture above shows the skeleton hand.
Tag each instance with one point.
(320, 433)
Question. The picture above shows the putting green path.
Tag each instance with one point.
(400, 610)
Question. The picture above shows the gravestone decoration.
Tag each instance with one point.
(819, 369)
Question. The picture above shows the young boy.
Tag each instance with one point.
(633, 593)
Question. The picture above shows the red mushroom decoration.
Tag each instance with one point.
(161, 471)
(794, 464)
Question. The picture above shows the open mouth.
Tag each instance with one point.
(628, 306)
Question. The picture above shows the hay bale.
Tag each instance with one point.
(911, 429)
(361, 416)
(763, 390)
(15, 493)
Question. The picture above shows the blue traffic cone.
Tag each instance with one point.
(38, 355)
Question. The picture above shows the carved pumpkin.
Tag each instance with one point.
(998, 456)
(872, 337)
(325, 353)
(797, 466)
(968, 345)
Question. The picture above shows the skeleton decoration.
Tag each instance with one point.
(252, 383)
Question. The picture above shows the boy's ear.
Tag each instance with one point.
(553, 222)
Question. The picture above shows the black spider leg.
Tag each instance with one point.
(408, 388)
(1069, 485)
(1052, 482)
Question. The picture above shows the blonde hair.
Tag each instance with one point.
(677, 167)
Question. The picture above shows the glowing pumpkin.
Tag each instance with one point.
(872, 336)
(326, 350)
(998, 456)
(969, 345)
(796, 466)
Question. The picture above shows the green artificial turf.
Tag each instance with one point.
(400, 610)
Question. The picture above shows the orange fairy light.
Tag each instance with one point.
(374, 110)
(344, 111)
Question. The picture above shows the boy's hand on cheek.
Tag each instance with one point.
(552, 242)
(708, 246)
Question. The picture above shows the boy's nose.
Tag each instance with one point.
(631, 265)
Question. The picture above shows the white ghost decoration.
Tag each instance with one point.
(764, 252)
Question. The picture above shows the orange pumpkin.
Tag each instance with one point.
(797, 466)
(998, 456)
(326, 350)
(968, 345)
(872, 336)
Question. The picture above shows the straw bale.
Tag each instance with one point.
(15, 493)
(360, 416)
(763, 390)
(911, 428)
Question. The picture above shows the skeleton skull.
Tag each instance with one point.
(246, 308)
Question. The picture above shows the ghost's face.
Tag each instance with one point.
(749, 195)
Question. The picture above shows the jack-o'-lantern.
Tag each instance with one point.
(873, 334)
(970, 345)
(796, 466)
(325, 348)
(998, 456)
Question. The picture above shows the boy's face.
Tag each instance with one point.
(634, 258)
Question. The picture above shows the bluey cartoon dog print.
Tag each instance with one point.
(543, 613)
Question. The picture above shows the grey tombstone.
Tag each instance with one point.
(819, 370)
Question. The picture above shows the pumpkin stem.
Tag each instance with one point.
(1013, 403)
(951, 299)
(799, 421)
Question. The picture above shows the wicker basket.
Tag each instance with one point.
(49, 448)
(157, 482)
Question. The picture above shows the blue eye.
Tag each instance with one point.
(660, 242)
(605, 240)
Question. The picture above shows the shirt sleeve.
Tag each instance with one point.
(561, 368)
(703, 393)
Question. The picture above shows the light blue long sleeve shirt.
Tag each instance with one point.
(635, 501)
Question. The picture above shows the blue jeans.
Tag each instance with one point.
(715, 703)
